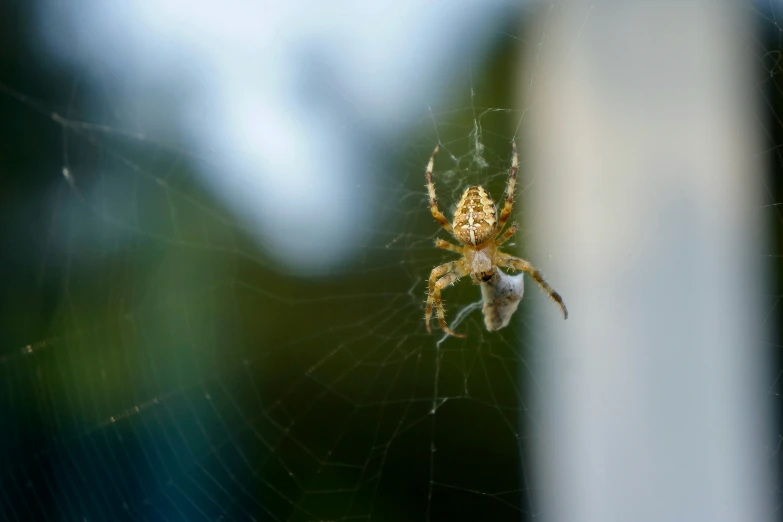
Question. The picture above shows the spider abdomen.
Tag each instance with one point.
(476, 217)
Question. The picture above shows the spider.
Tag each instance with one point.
(479, 230)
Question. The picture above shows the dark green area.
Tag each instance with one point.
(156, 364)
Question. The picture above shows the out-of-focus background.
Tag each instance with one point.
(215, 241)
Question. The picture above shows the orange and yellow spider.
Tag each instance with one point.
(480, 231)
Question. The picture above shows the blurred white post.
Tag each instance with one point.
(640, 141)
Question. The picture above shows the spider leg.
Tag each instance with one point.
(505, 260)
(445, 245)
(499, 240)
(512, 183)
(437, 272)
(450, 272)
(442, 283)
(436, 213)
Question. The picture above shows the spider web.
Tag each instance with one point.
(161, 361)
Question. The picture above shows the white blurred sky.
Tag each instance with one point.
(278, 96)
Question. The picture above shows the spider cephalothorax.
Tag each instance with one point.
(479, 229)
